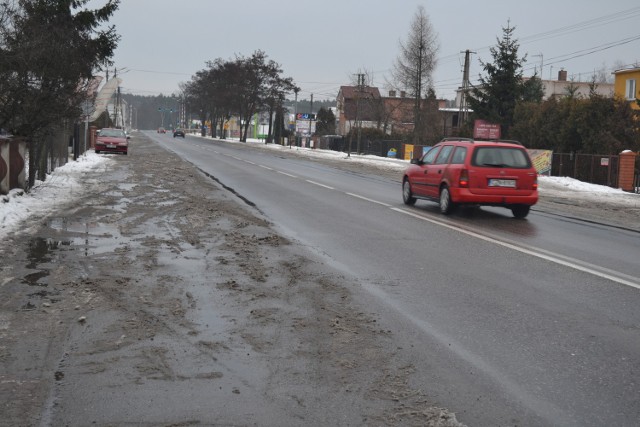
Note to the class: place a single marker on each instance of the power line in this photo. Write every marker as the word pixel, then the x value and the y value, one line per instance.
pixel 160 72
pixel 589 51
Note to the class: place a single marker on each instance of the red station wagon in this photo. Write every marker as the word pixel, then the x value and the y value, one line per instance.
pixel 469 172
pixel 112 141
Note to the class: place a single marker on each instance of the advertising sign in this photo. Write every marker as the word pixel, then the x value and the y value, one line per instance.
pixel 541 160
pixel 485 130
pixel 305 116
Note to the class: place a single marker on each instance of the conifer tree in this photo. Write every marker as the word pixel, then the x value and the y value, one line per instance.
pixel 494 99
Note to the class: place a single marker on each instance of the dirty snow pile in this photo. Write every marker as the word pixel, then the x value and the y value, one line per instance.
pixel 60 187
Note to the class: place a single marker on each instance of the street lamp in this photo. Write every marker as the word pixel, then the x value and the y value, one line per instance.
pixel 163 110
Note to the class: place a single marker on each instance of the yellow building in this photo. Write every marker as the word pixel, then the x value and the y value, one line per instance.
pixel 627 85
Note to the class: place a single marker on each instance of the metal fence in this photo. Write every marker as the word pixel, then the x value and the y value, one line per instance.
pixel 381 147
pixel 54 148
pixel 592 168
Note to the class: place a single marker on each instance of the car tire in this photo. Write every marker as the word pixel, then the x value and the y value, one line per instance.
pixel 446 205
pixel 407 195
pixel 520 211
pixel 97 151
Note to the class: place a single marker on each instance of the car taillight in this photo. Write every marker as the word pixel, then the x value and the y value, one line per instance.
pixel 463 181
pixel 535 183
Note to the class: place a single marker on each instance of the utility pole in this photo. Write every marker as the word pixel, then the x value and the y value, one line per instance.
pixel 358 115
pixel 115 105
pixel 295 118
pixel 310 118
pixel 541 63
pixel 464 103
pixel 357 95
pixel 359 92
pixel 106 120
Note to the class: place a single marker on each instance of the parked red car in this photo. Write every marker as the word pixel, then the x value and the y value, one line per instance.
pixel 111 140
pixel 469 172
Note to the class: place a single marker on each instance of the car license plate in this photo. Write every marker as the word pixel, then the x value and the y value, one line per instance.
pixel 502 183
pixel 111 146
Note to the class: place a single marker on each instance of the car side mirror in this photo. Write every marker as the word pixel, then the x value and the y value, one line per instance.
pixel 415 161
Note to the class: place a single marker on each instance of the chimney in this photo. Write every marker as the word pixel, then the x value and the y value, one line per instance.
pixel 392 94
pixel 562 75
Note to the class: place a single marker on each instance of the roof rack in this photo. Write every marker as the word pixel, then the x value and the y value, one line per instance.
pixel 456 139
pixel 512 141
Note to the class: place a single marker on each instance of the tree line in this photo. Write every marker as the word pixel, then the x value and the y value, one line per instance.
pixel 241 87
pixel 49 50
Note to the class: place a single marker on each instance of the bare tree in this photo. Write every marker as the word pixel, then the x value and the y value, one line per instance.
pixel 415 63
pixel 602 75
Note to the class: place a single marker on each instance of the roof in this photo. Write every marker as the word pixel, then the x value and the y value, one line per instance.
pixel 362 102
pixel 627 70
pixel 353 92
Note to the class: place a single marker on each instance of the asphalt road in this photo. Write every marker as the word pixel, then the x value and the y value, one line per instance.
pixel 535 320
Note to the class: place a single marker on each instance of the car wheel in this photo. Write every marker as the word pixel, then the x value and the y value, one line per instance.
pixel 407 196
pixel 446 205
pixel 520 211
pixel 97 151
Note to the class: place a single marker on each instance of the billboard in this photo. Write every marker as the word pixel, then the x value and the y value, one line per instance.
pixel 541 160
pixel 485 130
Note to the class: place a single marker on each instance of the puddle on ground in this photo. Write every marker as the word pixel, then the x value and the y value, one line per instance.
pixel 93 237
pixel 33 279
pixel 39 251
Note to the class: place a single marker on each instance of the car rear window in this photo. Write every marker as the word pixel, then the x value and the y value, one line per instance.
pixel 504 157
pixel 112 133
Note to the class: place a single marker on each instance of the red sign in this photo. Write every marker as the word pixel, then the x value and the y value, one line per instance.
pixel 485 130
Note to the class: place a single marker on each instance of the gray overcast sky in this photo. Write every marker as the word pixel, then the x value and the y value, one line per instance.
pixel 322 44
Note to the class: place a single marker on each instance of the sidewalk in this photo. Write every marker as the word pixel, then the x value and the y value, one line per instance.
pixel 155 297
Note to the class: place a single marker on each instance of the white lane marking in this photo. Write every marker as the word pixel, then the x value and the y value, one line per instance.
pixel 368 199
pixel 287 174
pixel 318 184
pixel 266 167
pixel 251 163
pixel 549 256
pixel 539 253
